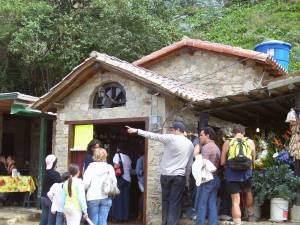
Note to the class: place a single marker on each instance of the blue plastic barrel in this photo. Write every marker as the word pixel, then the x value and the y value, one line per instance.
pixel 279 50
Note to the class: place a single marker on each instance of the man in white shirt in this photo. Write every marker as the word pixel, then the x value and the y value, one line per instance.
pixel 175 168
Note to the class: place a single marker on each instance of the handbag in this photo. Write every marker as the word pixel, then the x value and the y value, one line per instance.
pixel 119 170
pixel 109 186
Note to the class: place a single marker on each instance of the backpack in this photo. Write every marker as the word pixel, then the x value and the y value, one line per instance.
pixel 239 154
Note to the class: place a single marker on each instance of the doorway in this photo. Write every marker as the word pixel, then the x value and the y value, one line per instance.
pixel 113 134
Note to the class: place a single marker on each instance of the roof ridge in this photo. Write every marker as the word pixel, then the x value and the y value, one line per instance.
pixel 210 46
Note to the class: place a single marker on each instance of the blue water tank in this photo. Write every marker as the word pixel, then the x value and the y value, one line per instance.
pixel 279 50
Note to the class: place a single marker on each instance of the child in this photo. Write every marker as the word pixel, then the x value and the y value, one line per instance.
pixel 74 197
pixel 56 195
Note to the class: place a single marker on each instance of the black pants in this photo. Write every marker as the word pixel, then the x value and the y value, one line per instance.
pixel 172 188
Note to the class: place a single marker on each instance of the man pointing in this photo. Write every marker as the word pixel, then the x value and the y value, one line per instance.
pixel 175 168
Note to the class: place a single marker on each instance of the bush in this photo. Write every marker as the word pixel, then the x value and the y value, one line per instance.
pixel 275 182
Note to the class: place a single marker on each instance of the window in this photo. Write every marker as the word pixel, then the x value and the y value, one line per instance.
pixel 109 96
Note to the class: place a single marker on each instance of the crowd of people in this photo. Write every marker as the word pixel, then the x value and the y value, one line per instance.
pixel 70 198
pixel 207 161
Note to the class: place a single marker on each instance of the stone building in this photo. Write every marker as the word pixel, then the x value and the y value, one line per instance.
pixel 170 84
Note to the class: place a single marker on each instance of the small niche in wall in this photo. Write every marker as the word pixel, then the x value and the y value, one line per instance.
pixel 109 95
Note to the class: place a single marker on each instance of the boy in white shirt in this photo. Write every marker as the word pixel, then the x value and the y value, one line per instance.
pixel 56 195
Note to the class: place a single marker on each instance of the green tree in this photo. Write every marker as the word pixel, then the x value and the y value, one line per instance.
pixel 48 41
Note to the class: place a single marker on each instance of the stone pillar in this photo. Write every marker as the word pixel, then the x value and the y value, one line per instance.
pixel 1 131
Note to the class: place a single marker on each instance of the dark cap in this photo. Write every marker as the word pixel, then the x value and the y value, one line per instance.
pixel 178 125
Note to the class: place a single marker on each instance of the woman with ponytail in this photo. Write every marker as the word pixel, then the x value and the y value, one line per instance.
pixel 75 203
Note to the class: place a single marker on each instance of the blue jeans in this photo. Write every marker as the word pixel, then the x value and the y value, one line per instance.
pixel 47 218
pixel 120 206
pixel 98 210
pixel 172 188
pixel 60 218
pixel 207 202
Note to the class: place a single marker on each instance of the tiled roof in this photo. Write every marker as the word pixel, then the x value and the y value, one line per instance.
pixel 275 68
pixel 172 86
pixel 177 88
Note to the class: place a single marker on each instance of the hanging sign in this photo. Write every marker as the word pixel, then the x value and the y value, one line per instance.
pixel 83 134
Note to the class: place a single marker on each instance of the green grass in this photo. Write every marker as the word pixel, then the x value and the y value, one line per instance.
pixel 250 24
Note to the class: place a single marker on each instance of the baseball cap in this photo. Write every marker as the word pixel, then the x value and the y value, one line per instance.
pixel 178 125
pixel 50 159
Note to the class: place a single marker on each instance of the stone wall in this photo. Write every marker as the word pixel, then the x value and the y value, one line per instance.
pixel 78 106
pixel 196 67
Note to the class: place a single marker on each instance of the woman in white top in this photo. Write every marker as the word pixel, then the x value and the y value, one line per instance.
pixel 98 203
pixel 120 207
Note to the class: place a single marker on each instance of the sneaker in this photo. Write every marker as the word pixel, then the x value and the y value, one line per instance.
pixel 225 218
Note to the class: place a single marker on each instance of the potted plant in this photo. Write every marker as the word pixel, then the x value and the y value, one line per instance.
pixel 277 184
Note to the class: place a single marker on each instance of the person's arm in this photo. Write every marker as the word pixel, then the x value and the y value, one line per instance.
pixel 50 193
pixel 64 196
pixel 81 197
pixel 116 161
pixel 88 159
pixel 225 149
pixel 139 167
pixel 87 178
pixel 253 152
pixel 197 150
pixel 164 138
pixel 188 171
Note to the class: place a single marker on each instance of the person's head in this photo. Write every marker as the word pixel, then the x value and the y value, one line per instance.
pixel 100 155
pixel 50 161
pixel 65 176
pixel 10 160
pixel 73 172
pixel 238 129
pixel 177 128
pixel 121 148
pixel 2 159
pixel 92 146
pixel 206 134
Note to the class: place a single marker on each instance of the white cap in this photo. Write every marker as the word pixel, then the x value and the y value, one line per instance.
pixel 50 159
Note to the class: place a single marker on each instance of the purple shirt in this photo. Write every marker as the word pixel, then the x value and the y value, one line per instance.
pixel 211 152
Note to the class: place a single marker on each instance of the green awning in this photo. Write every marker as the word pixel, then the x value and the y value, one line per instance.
pixel 23 110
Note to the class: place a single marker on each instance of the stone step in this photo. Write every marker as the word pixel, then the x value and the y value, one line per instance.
pixel 18 215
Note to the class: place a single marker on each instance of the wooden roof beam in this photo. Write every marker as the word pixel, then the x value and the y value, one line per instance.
pixel 247 104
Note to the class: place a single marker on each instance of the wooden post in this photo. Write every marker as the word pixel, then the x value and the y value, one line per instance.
pixel 297 162
pixel 203 121
pixel 42 155
pixel 1 131
pixel 297 109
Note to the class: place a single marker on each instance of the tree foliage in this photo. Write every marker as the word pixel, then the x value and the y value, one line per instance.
pixel 248 23
pixel 42 40
pixel 45 39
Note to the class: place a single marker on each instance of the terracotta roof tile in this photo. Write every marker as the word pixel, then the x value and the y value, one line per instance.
pixel 272 65
pixel 172 86
pixel 168 85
